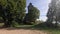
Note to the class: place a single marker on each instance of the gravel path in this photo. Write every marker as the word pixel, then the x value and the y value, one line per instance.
pixel 21 31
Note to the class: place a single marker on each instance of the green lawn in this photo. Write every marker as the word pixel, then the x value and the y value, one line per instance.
pixel 39 27
pixel 47 29
pixel 1 24
pixel 54 31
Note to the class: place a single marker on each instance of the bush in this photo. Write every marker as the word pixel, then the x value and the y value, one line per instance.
pixel 14 24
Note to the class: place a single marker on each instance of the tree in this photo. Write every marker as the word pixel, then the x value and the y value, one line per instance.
pixel 53 12
pixel 12 9
pixel 33 14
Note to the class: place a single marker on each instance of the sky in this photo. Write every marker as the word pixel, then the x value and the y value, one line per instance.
pixel 42 5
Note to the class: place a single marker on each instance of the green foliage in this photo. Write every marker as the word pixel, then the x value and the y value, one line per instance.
pixel 33 14
pixel 11 10
pixel 14 24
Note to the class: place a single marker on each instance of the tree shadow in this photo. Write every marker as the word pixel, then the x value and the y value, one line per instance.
pixel 41 26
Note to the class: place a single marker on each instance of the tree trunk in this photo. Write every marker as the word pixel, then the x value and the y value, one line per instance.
pixel 56 23
pixel 6 23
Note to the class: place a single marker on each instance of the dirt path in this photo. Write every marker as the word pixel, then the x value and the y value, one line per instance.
pixel 21 31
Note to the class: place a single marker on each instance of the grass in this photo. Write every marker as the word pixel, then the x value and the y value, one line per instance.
pixel 25 26
pixel 49 30
pixel 1 24
pixel 54 31
pixel 40 27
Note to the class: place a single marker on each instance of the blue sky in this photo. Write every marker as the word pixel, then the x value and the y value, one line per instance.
pixel 42 5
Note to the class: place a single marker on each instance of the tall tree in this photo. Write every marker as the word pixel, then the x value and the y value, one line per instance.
pixel 33 14
pixel 53 12
pixel 12 9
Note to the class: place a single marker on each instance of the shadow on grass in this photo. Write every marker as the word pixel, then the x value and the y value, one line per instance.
pixel 43 26
pixel 40 26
